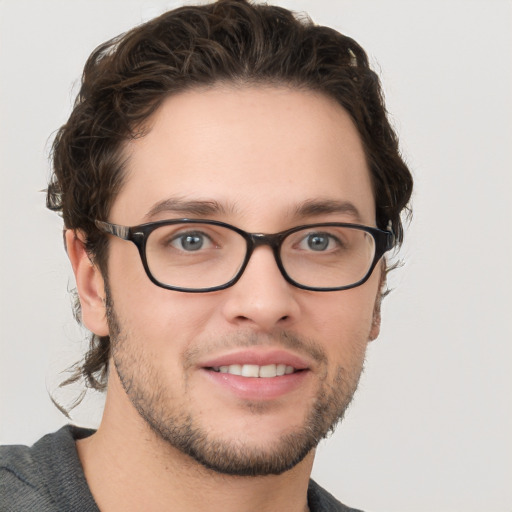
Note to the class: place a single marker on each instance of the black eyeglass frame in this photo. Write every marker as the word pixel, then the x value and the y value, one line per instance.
pixel 384 241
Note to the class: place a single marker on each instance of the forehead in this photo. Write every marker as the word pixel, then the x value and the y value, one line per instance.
pixel 257 152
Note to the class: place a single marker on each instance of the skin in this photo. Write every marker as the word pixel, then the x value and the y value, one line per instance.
pixel 260 153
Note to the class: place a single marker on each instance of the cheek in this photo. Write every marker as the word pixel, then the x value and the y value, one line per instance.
pixel 161 314
pixel 136 298
pixel 345 312
pixel 161 319
pixel 343 322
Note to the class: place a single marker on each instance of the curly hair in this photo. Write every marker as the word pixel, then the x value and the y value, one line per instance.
pixel 126 79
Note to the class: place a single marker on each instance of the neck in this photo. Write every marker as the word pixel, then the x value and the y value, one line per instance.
pixel 129 468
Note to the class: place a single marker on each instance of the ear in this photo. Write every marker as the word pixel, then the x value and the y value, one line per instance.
pixel 375 330
pixel 376 320
pixel 89 283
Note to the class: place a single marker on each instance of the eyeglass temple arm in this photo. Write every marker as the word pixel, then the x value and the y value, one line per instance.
pixel 113 229
pixel 391 236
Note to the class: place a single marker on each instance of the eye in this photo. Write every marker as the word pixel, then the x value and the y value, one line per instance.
pixel 191 241
pixel 318 242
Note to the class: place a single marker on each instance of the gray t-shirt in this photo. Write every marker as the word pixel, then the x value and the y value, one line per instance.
pixel 48 477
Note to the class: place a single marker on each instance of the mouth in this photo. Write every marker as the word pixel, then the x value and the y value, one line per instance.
pixel 257 374
pixel 267 371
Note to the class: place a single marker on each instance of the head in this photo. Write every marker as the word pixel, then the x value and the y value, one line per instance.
pixel 216 60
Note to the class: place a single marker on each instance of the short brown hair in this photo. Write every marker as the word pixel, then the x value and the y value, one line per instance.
pixel 126 79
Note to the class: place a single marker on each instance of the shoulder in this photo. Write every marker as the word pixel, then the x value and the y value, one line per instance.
pixel 319 500
pixel 28 474
pixel 20 486
pixel 22 477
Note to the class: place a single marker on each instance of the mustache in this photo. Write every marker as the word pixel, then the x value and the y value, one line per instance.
pixel 282 339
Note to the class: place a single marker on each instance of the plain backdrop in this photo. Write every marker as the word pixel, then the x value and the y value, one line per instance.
pixel 430 428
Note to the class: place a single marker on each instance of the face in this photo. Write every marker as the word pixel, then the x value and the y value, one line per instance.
pixel 264 160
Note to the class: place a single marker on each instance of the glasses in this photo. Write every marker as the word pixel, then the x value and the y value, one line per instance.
pixel 191 255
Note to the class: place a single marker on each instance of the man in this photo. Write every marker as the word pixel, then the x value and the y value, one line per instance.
pixel 229 185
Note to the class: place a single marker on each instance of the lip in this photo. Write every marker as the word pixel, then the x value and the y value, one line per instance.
pixel 257 388
pixel 259 357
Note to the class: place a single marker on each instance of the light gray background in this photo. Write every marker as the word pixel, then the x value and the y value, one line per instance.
pixel 430 426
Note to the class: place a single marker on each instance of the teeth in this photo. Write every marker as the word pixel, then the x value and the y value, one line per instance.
pixel 250 370
pixel 253 370
pixel 270 370
pixel 280 369
pixel 234 369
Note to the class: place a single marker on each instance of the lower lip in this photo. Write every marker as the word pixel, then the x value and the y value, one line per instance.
pixel 258 388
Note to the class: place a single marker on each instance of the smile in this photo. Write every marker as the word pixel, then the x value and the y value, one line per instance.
pixel 254 370
pixel 257 374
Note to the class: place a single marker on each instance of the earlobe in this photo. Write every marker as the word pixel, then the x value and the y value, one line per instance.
pixel 89 283
pixel 375 330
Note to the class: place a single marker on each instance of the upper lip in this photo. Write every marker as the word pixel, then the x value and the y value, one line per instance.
pixel 258 357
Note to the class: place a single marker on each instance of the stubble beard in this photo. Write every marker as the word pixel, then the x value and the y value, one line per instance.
pixel 183 431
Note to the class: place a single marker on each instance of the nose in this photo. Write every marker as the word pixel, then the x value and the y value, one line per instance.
pixel 262 299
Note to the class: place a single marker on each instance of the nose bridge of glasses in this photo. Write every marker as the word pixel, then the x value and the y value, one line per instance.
pixel 256 240
pixel 259 239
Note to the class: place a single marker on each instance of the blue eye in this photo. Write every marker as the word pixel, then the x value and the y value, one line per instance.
pixel 190 241
pixel 318 242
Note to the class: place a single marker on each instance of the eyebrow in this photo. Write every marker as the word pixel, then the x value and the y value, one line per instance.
pixel 207 208
pixel 187 208
pixel 315 207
